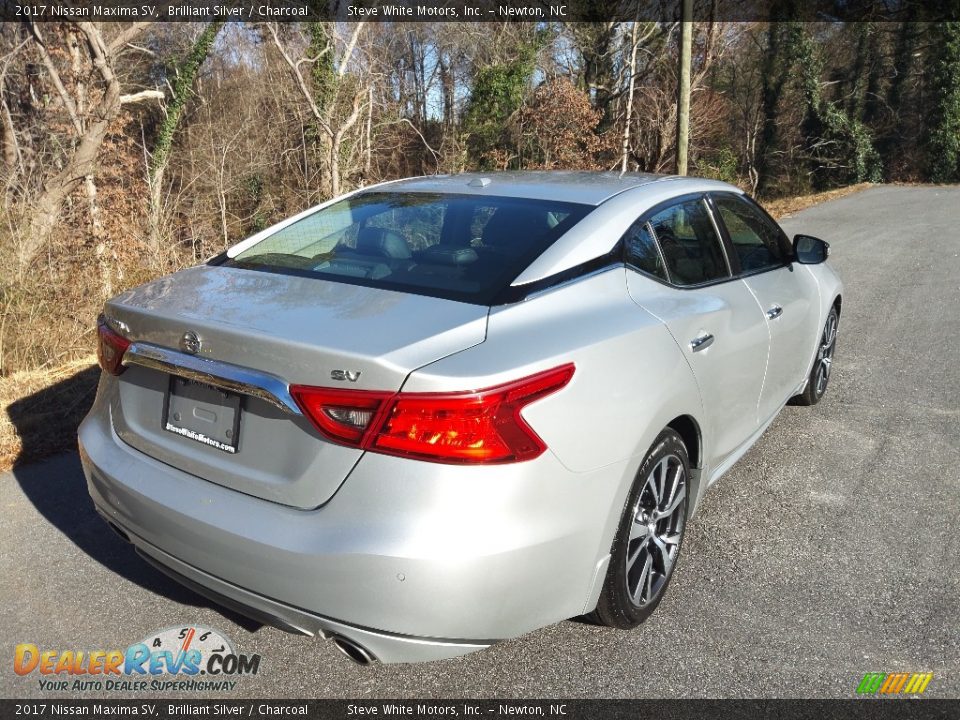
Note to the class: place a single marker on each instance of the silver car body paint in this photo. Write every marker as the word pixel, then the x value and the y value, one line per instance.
pixel 418 560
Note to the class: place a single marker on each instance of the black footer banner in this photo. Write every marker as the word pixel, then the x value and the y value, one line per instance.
pixel 892 709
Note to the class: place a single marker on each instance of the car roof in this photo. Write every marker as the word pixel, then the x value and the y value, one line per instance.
pixel 577 186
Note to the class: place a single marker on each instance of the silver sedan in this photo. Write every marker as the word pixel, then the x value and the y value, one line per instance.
pixel 441 412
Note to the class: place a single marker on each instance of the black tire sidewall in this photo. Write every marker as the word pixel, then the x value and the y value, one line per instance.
pixel 615 607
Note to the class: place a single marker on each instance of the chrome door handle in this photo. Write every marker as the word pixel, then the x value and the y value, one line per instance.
pixel 701 342
pixel 774 312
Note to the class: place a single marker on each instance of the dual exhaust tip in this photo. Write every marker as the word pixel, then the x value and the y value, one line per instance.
pixel 359 654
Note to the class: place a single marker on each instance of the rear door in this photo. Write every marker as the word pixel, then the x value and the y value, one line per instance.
pixel 678 271
pixel 787 294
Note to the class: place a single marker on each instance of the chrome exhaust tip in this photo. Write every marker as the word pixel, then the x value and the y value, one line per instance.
pixel 359 654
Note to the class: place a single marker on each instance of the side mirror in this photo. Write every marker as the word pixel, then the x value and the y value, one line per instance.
pixel 809 250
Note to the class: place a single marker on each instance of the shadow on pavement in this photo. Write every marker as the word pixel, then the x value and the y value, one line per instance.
pixel 47 422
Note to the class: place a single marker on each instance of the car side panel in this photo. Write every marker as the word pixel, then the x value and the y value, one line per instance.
pixel 729 372
pixel 792 334
pixel 830 287
pixel 631 380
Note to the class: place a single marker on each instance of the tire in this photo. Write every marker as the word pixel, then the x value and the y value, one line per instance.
pixel 641 566
pixel 822 364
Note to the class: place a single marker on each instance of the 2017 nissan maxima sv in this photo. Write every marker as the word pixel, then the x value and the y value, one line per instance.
pixel 445 411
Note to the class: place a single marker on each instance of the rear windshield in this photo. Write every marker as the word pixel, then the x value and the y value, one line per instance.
pixel 460 247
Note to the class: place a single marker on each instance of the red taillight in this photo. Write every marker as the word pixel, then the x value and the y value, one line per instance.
pixel 466 427
pixel 342 415
pixel 110 347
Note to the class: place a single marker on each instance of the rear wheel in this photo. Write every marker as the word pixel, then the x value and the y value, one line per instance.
pixel 647 546
pixel 822 364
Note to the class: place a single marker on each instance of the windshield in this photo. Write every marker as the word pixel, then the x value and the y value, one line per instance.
pixel 460 247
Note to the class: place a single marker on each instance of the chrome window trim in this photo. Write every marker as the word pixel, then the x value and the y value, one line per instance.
pixel 253 383
pixel 669 282
pixel 720 236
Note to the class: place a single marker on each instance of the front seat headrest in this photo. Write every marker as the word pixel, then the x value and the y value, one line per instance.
pixel 383 243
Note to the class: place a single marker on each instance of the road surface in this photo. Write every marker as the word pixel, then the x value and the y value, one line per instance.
pixel 830 550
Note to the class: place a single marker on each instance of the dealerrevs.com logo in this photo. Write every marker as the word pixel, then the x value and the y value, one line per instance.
pixel 174 659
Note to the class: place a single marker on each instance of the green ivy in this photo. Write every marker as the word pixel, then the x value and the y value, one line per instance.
pixel 838 142
pixel 944 141
pixel 497 93
pixel 322 71
pixel 186 73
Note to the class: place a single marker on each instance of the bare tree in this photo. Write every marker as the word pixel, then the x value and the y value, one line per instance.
pixel 334 125
pixel 89 117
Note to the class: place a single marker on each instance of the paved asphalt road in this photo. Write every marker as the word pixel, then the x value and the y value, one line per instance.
pixel 830 550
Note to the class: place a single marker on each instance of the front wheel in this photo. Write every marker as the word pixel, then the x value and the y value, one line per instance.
pixel 647 545
pixel 822 364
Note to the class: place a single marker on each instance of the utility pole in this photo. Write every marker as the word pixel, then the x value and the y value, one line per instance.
pixel 683 90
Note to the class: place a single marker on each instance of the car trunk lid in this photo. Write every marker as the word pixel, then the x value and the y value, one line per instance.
pixel 272 329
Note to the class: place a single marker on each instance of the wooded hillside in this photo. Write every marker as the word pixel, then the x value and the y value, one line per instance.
pixel 131 150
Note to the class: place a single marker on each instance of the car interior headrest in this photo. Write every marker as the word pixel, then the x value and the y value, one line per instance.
pixel 382 242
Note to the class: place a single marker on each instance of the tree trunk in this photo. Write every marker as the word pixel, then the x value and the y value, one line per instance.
pixel 90 126
pixel 187 72
pixel 11 149
pixel 45 213
pixel 629 115
pixel 683 92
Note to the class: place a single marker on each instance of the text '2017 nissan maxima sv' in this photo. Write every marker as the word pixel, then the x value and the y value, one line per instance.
pixel 441 412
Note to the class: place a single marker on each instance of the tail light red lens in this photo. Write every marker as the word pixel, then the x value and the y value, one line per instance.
pixel 345 416
pixel 485 426
pixel 111 346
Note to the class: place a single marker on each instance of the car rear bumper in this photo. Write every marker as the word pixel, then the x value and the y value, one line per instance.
pixel 414 561
pixel 383 647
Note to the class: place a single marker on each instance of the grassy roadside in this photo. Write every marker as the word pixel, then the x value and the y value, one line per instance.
pixel 40 409
pixel 785 207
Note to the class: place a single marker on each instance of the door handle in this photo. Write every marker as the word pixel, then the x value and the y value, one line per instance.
pixel 701 342
pixel 774 312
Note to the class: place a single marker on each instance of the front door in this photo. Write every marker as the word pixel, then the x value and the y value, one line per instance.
pixel 713 317
pixel 785 292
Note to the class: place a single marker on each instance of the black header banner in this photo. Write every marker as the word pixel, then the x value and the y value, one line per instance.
pixel 477 10
pixel 891 709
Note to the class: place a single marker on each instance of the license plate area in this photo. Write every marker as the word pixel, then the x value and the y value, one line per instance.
pixel 203 413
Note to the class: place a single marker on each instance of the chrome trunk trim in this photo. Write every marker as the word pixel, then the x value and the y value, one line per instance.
pixel 253 383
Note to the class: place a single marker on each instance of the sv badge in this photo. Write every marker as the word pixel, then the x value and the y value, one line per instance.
pixel 341 375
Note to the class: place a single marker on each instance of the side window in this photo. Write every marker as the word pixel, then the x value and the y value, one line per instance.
pixel 642 250
pixel 689 243
pixel 756 242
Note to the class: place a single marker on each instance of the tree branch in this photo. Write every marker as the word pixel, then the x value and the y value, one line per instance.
pixel 348 51
pixel 55 77
pixel 127 35
pixel 141 96
pixel 302 84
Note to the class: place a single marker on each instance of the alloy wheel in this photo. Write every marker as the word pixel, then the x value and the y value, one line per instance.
pixel 828 343
pixel 656 531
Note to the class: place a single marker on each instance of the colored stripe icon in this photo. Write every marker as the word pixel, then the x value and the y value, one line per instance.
pixel 894 683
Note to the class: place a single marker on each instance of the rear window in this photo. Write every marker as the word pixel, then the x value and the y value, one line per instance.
pixel 460 247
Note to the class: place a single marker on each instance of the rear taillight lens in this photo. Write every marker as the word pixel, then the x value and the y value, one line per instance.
pixel 111 346
pixel 484 426
pixel 345 416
